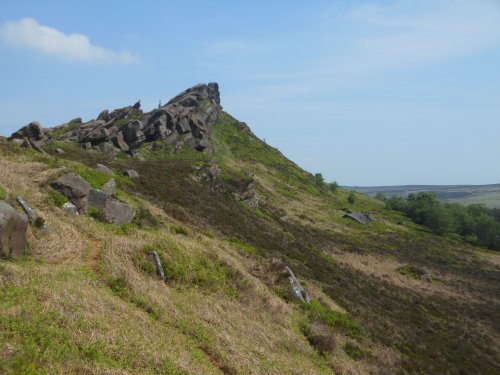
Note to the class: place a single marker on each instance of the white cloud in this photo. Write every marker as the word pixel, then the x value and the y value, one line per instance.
pixel 28 33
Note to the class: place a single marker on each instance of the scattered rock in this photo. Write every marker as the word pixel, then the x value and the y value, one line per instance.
pixel 130 173
pixel 297 289
pixel 106 147
pixel 361 217
pixel 248 196
pixel 103 169
pixel 60 151
pixel 13 226
pixel 158 266
pixel 113 210
pixel 33 217
pixel 70 208
pixel 109 187
pixel 75 188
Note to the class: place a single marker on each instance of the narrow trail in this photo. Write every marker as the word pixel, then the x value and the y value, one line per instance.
pixel 94 257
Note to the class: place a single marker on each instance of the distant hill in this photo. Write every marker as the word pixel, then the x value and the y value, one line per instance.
pixel 464 194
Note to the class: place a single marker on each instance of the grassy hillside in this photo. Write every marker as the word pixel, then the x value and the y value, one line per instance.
pixel 86 300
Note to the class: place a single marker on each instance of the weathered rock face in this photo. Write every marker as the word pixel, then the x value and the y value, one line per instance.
pixel 248 196
pixel 186 119
pixel 75 188
pixel 109 187
pixel 113 210
pixel 13 227
pixel 361 217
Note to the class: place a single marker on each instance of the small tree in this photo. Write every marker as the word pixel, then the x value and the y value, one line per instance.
pixel 380 196
pixel 318 178
pixel 333 186
pixel 351 198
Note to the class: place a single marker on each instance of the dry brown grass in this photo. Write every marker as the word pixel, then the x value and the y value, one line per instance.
pixel 385 267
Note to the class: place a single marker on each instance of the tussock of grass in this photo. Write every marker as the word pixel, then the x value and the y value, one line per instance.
pixel 3 193
pixel 335 319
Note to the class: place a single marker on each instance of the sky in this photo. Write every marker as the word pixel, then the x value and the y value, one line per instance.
pixel 365 92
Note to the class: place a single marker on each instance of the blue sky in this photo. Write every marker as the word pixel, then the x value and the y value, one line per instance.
pixel 365 92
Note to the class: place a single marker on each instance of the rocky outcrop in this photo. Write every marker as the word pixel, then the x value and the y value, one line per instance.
pixel 33 217
pixel 158 266
pixel 75 188
pixel 361 217
pixel 32 136
pixel 248 195
pixel 185 120
pixel 297 289
pixel 112 210
pixel 13 226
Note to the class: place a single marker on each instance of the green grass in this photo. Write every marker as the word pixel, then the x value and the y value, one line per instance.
pixel 245 247
pixel 337 320
pixel 3 193
pixel 179 229
pixel 135 115
pixel 69 127
pixel 55 198
pixel 196 268
pixel 232 141
pixel 356 352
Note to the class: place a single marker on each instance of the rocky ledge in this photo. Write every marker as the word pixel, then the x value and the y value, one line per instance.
pixel 185 120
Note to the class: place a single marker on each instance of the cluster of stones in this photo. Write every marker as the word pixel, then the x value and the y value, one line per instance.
pixel 185 120
pixel 83 198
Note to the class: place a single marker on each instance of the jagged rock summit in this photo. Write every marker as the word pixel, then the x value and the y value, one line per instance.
pixel 185 120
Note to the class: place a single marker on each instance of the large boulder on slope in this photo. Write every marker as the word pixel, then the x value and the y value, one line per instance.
pixel 13 226
pixel 75 188
pixel 113 210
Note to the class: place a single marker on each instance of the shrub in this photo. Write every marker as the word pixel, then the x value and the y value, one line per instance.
pixel 95 213
pixel 351 198
pixel 144 219
pixel 318 179
pixel 55 198
pixel 179 229
pixel 355 352
pixel 333 186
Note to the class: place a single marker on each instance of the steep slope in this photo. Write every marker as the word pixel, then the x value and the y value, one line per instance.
pixel 225 222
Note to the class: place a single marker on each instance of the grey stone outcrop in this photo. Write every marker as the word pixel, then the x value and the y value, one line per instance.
pixel 361 217
pixel 158 266
pixel 113 210
pixel 75 188
pixel 13 226
pixel 297 289
pixel 190 114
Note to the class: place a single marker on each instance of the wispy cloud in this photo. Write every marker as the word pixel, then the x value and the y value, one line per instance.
pixel 411 33
pixel 28 33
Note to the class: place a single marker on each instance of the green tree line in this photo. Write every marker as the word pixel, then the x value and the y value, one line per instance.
pixel 476 223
